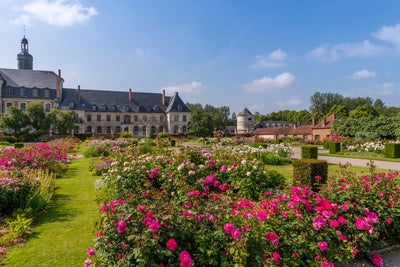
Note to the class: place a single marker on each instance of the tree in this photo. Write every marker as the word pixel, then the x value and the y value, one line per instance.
pixel 340 110
pixel 61 121
pixel 37 119
pixel 379 103
pixel 354 102
pixel 208 119
pixel 364 111
pixel 14 119
pixel 323 102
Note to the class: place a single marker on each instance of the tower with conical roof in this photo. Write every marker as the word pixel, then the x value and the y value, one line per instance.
pixel 25 60
pixel 245 122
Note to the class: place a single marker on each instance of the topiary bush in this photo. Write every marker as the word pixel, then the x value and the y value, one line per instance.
pixel 334 147
pixel 19 145
pixel 126 135
pixel 309 152
pixel 392 150
pixel 310 172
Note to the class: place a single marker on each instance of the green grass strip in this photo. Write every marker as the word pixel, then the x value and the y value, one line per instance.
pixel 341 155
pixel 66 228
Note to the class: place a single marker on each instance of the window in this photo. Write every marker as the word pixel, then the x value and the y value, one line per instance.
pixel 161 118
pixel 8 104
pixel 94 108
pixel 46 93
pixel 108 117
pixel 153 129
pixel 75 116
pixel 144 118
pixel 98 129
pixel 47 107
pixel 98 117
pixel 161 129
pixel 126 108
pixel 113 108
pixel 175 129
pixel 317 137
pixel 183 129
pixel 108 129
pixel 89 129
pixel 35 92
pixel 89 117
pixel 117 118
pixel 179 107
pixel 176 117
pixel 103 108
pixel 23 92
pixel 76 131
pixel 144 130
pixel 304 137
pixel 117 129
pixel 22 105
pixel 135 130
pixel 126 129
pixel 153 118
pixel 127 119
pixel 71 104
pixel 136 118
pixel 184 118
pixel 9 91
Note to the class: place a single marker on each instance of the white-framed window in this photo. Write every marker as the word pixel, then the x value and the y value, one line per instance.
pixel 144 118
pixel 47 107
pixel 8 104
pixel 176 117
pixel 22 105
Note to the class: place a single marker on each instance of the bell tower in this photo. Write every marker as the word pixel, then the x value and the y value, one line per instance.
pixel 25 60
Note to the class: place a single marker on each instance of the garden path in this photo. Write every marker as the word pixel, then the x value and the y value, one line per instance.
pixel 66 228
pixel 354 162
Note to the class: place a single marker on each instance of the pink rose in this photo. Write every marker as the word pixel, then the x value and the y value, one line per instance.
pixel 322 245
pixel 171 244
pixel 87 262
pixel 121 227
pixel 90 251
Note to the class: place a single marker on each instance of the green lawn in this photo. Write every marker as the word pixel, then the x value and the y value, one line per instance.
pixel 333 169
pixel 66 228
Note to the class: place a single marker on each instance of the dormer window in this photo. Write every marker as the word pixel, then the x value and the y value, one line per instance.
pixel 47 93
pixel 23 92
pixel 148 108
pixel 156 108
pixel 35 92
pixel 113 108
pixel 94 108
pixel 71 104
pixel 179 107
pixel 103 108
pixel 126 108
pixel 9 91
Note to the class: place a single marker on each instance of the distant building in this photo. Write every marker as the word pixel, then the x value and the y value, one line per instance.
pixel 105 113
pixel 245 122
pixel 271 124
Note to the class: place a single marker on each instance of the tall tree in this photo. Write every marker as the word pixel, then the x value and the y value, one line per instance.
pixel 61 121
pixel 15 119
pixel 37 119
pixel 323 102
pixel 340 110
pixel 363 111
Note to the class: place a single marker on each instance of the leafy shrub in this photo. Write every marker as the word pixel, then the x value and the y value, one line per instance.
pixel 334 147
pixel 271 159
pixel 16 227
pixel 310 172
pixel 135 142
pixel 4 143
pixel 392 150
pixel 309 152
pixel 173 142
pixel 163 135
pixel 19 145
pixel 11 139
pixel 126 135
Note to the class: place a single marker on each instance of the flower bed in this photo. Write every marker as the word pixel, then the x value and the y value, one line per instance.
pixel 225 209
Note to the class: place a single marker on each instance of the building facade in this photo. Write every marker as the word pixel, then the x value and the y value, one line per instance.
pixel 100 112
pixel 245 122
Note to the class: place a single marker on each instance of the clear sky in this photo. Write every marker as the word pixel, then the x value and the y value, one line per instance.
pixel 263 55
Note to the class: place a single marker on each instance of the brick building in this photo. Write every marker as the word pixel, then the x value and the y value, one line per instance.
pixel 100 112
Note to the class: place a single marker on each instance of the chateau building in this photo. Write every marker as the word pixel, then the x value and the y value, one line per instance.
pixel 100 112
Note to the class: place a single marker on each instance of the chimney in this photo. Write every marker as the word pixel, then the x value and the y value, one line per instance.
pixel 59 84
pixel 163 97
pixel 323 122
pixel 79 93
pixel 176 93
pixel 313 122
pixel 130 94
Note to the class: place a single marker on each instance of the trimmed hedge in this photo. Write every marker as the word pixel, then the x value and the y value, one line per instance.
pixel 305 172
pixel 392 150
pixel 173 142
pixel 18 145
pixel 334 147
pixel 309 152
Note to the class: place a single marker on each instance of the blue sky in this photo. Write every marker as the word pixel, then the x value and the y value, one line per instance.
pixel 263 55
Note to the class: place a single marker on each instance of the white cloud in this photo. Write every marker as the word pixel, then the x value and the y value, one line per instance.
pixel 362 74
pixel 274 60
pixel 277 55
pixel 58 12
pixel 389 33
pixel 189 88
pixel 267 84
pixel 292 101
pixel 23 20
pixel 328 53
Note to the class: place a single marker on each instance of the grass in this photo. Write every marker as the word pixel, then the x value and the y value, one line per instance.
pixel 342 155
pixel 333 169
pixel 66 228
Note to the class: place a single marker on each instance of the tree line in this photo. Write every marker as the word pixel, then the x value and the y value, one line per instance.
pixel 33 121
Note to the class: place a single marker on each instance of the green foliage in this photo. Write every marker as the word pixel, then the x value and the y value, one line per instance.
pixel 37 119
pixel 126 135
pixel 392 150
pixel 363 111
pixel 14 119
pixel 162 135
pixel 61 121
pixel 19 145
pixel 310 172
pixel 334 147
pixel 173 142
pixel 17 226
pixel 309 152
pixel 323 102
pixel 340 110
pixel 289 115
pixel 271 159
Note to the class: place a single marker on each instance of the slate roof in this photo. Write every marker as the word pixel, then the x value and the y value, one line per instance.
pixel 119 101
pixel 29 78
pixel 245 112
pixel 176 105
pixel 300 130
